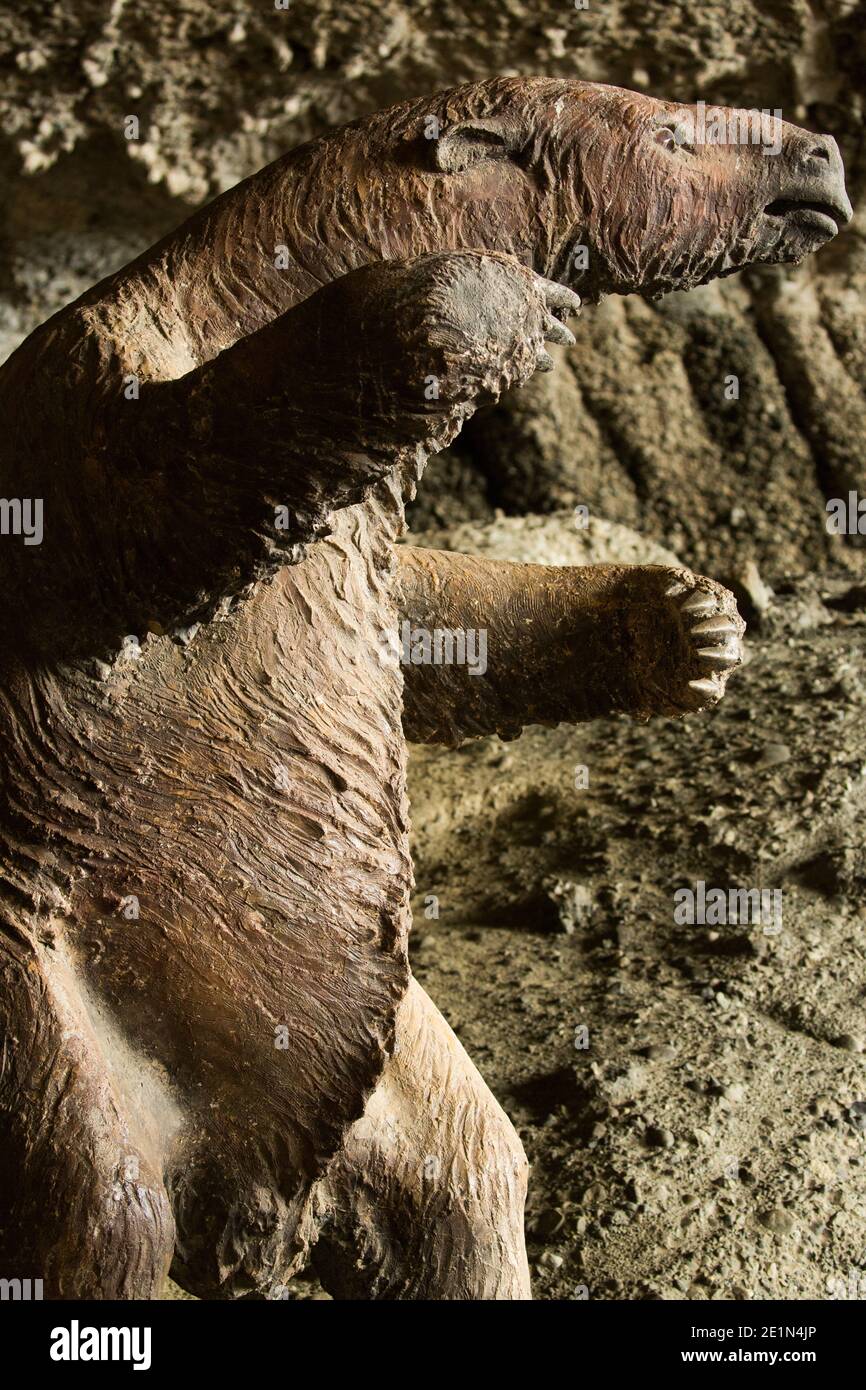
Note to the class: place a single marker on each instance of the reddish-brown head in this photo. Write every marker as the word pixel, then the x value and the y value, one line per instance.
pixel 667 196
pixel 607 190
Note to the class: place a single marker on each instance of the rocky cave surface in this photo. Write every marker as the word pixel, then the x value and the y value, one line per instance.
pixel 705 1137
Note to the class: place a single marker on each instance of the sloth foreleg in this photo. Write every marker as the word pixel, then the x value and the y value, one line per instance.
pixel 488 646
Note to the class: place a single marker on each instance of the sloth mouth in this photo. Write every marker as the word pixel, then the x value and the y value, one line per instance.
pixel 821 217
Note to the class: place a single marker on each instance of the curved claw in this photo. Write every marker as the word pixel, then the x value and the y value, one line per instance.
pixel 715 627
pixel 722 656
pixel 561 297
pixel 699 603
pixel 556 332
pixel 707 689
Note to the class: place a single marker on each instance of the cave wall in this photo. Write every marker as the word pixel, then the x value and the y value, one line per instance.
pixel 634 423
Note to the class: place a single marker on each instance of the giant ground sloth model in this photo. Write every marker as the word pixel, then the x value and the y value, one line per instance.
pixel 214 1057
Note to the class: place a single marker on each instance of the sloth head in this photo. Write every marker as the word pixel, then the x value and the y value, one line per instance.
pixel 604 189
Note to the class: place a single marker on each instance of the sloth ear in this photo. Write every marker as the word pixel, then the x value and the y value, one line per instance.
pixel 467 143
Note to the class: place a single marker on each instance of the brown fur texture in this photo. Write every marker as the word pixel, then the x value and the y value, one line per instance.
pixel 212 1056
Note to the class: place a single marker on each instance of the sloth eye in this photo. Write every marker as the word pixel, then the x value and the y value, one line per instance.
pixel 672 138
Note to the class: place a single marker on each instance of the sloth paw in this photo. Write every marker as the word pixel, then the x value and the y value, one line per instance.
pixel 559 302
pixel 496 312
pixel 710 632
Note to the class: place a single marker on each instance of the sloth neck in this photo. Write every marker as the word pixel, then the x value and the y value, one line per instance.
pixel 264 247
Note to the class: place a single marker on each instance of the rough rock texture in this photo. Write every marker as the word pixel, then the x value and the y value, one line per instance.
pixel 561 538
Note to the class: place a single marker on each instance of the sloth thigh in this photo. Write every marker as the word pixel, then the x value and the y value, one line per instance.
pixel 425 1199
pixel 82 1203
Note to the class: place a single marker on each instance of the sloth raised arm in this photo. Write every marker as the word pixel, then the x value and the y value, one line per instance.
pixel 374 372
pixel 370 375
pixel 173 503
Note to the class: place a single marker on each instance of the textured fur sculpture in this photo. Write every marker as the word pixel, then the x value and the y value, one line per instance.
pixel 214 1057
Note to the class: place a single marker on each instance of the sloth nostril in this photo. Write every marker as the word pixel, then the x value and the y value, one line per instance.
pixel 820 152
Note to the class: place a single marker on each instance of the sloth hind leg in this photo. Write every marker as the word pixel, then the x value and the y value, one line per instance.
pixel 425 1200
